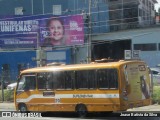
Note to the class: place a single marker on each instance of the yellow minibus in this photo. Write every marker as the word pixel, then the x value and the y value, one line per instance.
pixel 82 88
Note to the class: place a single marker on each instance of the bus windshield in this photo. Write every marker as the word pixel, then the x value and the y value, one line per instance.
pixel 26 82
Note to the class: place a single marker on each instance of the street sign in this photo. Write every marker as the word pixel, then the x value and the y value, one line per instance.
pixel 136 54
pixel 127 54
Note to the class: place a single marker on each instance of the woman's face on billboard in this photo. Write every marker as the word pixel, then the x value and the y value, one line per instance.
pixel 56 30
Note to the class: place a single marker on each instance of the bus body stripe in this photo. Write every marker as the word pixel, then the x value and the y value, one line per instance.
pixel 59 96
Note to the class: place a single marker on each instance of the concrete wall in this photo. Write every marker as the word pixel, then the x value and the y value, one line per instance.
pixel 138 36
pixel 149 36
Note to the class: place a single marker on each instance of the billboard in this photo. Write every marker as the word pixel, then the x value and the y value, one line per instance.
pixel 14 41
pixel 42 30
pixel 62 31
pixel 18 32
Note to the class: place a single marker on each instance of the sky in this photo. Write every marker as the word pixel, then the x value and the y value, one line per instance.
pixel 157 5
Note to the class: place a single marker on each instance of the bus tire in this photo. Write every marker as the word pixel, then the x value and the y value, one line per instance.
pixel 22 108
pixel 81 110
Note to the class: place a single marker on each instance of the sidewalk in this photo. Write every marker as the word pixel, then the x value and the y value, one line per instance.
pixel 154 107
pixel 7 105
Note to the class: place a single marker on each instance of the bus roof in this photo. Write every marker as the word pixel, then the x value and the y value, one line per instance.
pixel 79 66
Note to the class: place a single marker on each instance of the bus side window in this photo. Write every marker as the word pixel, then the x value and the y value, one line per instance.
pixel 103 78
pixel 81 79
pixel 91 79
pixel 58 80
pixel 113 79
pixel 49 81
pixel 41 79
pixel 31 82
pixel 107 78
pixel 69 79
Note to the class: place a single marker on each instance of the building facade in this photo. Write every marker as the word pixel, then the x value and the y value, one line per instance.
pixel 130 14
pixel 110 27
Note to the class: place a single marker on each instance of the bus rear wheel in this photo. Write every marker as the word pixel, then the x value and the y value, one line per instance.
pixel 81 110
pixel 22 108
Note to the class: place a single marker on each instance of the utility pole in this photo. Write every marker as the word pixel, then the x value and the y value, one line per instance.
pixel 2 84
pixel 43 7
pixel 40 57
pixel 32 6
pixel 89 35
pixel 40 54
pixel 122 16
pixel 159 15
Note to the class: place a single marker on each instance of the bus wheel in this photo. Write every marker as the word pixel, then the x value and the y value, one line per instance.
pixel 22 108
pixel 81 110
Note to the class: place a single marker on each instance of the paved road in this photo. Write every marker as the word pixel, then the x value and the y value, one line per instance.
pixel 155 107
pixel 151 108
